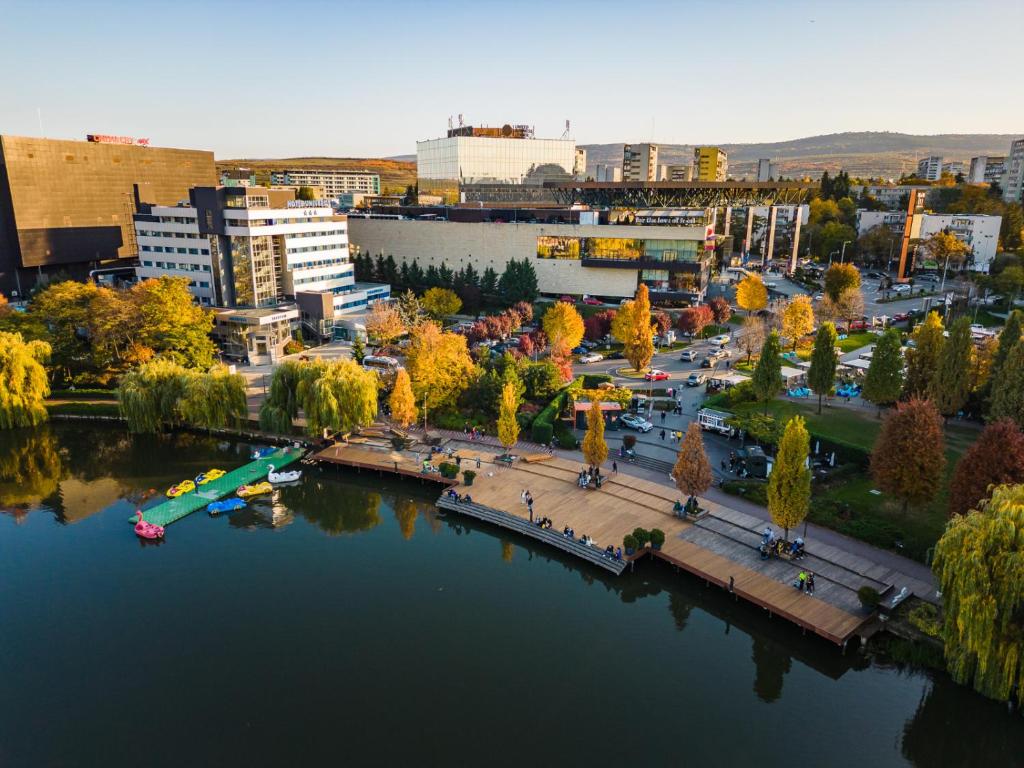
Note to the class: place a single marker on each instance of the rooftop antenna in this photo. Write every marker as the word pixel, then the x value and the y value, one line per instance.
pixel 565 135
pixel 449 122
pixel 461 123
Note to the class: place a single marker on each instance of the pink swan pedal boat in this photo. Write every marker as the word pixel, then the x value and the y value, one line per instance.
pixel 148 530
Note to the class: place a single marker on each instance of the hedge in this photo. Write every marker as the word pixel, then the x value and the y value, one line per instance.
pixel 541 431
pixel 91 394
pixel 543 427
pixel 592 380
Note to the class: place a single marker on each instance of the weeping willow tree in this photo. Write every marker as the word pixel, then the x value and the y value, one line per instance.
pixel 30 467
pixel 213 400
pixel 23 383
pixel 340 395
pixel 282 404
pixel 163 394
pixel 979 562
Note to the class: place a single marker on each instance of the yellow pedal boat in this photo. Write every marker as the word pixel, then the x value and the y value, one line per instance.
pixel 185 486
pixel 213 474
pixel 246 491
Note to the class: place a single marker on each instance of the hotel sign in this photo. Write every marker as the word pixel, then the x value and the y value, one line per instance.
pixel 102 138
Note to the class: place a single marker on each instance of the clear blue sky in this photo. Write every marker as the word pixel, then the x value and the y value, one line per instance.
pixel 367 79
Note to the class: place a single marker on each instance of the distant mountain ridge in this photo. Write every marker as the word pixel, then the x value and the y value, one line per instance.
pixel 863 153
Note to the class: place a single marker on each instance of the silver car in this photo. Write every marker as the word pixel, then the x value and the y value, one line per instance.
pixel 636 422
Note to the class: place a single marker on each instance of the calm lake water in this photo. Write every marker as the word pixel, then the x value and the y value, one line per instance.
pixel 345 621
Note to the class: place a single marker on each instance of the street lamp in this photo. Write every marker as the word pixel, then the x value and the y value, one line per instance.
pixel 830 257
pixel 842 257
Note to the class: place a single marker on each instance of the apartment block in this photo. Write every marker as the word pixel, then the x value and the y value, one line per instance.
pixel 710 164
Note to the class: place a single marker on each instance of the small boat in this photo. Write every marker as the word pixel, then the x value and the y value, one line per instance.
pixel 225 505
pixel 213 474
pixel 282 477
pixel 147 530
pixel 254 490
pixel 262 453
pixel 185 486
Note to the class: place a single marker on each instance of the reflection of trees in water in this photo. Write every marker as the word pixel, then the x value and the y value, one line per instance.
pixel 406 511
pixel 771 663
pixel 954 725
pixel 30 468
pixel 262 512
pixel 680 609
pixel 507 550
pixel 333 507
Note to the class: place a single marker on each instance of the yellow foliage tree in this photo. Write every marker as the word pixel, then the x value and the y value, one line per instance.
pixel 789 486
pixel 23 382
pixel 508 427
pixel 751 293
pixel 402 402
pixel 441 302
pixel 439 365
pixel 563 325
pixel 595 449
pixel 798 319
pixel 632 326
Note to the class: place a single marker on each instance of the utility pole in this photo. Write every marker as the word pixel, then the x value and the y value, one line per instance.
pixel 842 256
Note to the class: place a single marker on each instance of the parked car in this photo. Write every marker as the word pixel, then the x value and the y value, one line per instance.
pixel 819 296
pixel 569 299
pixel 656 374
pixel 591 357
pixel 636 422
pixel 615 356
pixel 721 339
pixel 900 317
pixel 695 379
pixel 688 355
pixel 858 325
pixel 592 301
pixel 588 344
pixel 580 350
pixel 901 288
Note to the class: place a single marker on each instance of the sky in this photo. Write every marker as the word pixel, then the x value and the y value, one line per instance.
pixel 368 79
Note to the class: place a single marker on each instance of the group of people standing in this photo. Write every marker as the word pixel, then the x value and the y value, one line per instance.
pixel 527 498
pixel 589 475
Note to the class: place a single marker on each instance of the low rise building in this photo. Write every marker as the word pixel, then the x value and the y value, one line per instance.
pixel 609 259
pixel 979 232
pixel 334 183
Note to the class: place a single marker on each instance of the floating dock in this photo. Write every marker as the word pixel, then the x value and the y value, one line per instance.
pixel 173 510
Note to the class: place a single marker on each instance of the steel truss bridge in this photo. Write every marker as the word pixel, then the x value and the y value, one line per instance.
pixel 674 194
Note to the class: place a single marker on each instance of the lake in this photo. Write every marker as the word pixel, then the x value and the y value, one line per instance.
pixel 346 620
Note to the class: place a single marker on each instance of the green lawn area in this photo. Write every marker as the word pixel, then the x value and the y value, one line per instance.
pixel 848 504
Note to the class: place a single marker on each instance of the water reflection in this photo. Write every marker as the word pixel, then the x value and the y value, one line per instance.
pixel 406 511
pixel 30 469
pixel 771 663
pixel 334 508
pixel 266 512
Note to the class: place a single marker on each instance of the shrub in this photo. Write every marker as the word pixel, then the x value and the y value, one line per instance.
pixel 468 476
pixel 657 538
pixel 525 419
pixel 564 436
pixel 925 617
pixel 541 431
pixel 83 409
pixel 751 490
pixel 91 394
pixel 629 542
pixel 293 347
pixel 591 380
pixel 629 441
pixel 642 535
pixel 448 470
pixel 869 597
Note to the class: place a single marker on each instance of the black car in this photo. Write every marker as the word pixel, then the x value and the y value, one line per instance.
pixel 614 356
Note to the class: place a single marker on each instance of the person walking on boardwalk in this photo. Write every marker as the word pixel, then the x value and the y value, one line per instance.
pixel 801 581
pixel 529 506
pixel 810 583
pixel 663 435
pixel 522 497
pixel 615 467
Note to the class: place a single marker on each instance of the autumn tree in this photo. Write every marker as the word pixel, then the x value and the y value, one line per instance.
pixel 439 303
pixel 23 383
pixel 692 472
pixel 632 326
pixel 946 249
pixel 789 485
pixel 384 323
pixel 979 564
pixel 1008 387
pixel 797 318
pixel 923 357
pixel 751 293
pixel 402 402
pixel 720 309
pixel 508 427
pixel 693 320
pixel 563 325
pixel 752 336
pixel 840 278
pixel 822 374
pixel 884 380
pixel 848 306
pixel 595 449
pixel 951 385
pixel 1008 338
pixel 340 396
pixel 214 399
pixel 439 365
pixel 908 459
pixel 995 458
pixel 767 378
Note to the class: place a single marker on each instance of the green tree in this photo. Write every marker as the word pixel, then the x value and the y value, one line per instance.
pixel 339 395
pixel 789 485
pixel 923 357
pixel 595 449
pixel 979 563
pixel 632 326
pixel 63 313
pixel 358 350
pixel 884 380
pixel 518 282
pixel 909 456
pixel 281 405
pixel 840 278
pixel 1008 387
pixel 439 303
pixel 171 323
pixel 489 282
pixel 213 400
pixel 951 385
pixel 767 378
pixel 148 396
pixel 306 193
pixel 23 382
pixel 822 373
pixel 1008 338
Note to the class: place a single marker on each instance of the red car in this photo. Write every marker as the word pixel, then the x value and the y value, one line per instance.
pixel 569 299
pixel 655 375
pixel 592 301
pixel 858 325
pixel 900 317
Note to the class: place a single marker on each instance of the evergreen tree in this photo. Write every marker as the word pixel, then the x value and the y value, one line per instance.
pixel 1008 387
pixel 595 449
pixel 909 456
pixel 789 485
pixel 767 379
pixel 470 276
pixel 403 277
pixel 826 186
pixel 518 282
pixel 884 380
pixel 358 350
pixel 379 269
pixel 822 373
pixel 489 282
pixel 432 279
pixel 445 276
pixel 923 357
pixel 1008 338
pixel 979 563
pixel 995 458
pixel 416 277
pixel 951 385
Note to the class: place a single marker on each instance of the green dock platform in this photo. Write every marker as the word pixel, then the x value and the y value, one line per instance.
pixel 255 471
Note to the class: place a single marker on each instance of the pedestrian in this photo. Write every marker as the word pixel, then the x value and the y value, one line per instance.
pixel 810 583
pixel 663 435
pixel 662 417
pixel 529 506
pixel 478 462
pixel 679 437
pixel 801 581
pixel 615 468
pixel 458 461
pixel 522 497
pixel 732 583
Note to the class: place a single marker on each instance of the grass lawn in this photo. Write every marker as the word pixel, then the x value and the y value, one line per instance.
pixel 848 505
pixel 989 320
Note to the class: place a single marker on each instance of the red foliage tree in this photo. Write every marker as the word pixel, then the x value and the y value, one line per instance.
pixel 525 311
pixel 694 320
pixel 662 322
pixel 561 356
pixel 909 455
pixel 995 458
pixel 597 326
pixel 720 310
pixel 477 332
pixel 539 339
pixel 526 345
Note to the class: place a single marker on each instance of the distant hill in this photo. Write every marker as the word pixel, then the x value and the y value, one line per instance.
pixel 865 153
pixel 395 175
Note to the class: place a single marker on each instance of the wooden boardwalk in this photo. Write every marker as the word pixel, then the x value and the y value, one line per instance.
pixel 404 463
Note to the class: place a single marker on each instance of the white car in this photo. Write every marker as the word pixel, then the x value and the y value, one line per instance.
pixel 721 340
pixel 688 355
pixel 901 288
pixel 637 422
pixel 591 357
